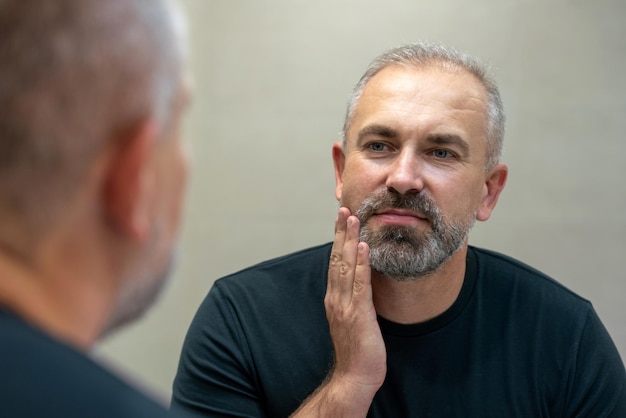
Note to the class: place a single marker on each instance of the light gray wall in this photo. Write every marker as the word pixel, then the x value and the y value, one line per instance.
pixel 272 80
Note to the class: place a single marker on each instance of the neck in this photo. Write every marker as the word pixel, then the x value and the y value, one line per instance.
pixel 69 311
pixel 421 299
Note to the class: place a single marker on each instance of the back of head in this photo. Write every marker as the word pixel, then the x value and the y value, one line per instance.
pixel 425 54
pixel 73 73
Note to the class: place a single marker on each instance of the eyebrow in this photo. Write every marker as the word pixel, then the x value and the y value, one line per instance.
pixel 377 130
pixel 450 139
pixel 436 139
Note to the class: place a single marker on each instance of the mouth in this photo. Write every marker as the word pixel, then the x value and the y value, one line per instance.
pixel 396 216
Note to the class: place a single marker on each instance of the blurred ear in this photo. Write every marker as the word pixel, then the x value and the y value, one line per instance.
pixel 128 185
pixel 494 184
pixel 339 159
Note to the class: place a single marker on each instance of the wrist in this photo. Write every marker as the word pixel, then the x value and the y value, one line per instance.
pixel 339 396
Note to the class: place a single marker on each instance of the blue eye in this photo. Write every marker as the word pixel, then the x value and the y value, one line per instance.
pixel 377 146
pixel 442 153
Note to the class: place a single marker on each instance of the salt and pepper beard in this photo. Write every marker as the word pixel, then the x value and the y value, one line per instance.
pixel 402 252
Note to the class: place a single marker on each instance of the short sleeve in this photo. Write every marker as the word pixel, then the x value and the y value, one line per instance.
pixel 215 377
pixel 598 386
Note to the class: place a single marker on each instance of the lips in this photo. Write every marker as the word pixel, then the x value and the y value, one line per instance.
pixel 400 216
pixel 401 212
pixel 388 207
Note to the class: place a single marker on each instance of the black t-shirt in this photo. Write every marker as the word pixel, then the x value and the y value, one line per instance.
pixel 41 377
pixel 514 344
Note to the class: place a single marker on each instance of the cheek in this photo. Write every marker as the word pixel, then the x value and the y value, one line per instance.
pixel 462 200
pixel 359 181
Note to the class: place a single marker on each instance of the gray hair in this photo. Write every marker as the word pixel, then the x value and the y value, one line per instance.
pixel 73 74
pixel 426 54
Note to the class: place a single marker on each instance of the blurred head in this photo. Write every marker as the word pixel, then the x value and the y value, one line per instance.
pixel 419 161
pixel 78 79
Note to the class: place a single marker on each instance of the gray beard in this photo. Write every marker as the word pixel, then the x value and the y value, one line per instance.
pixel 403 253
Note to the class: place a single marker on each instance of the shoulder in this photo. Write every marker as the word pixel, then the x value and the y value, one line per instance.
pixel 295 282
pixel 515 280
pixel 504 267
pixel 47 378
pixel 307 263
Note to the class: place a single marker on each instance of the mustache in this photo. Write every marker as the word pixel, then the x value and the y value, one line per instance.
pixel 384 199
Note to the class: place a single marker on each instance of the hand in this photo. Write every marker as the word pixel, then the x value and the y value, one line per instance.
pixel 360 355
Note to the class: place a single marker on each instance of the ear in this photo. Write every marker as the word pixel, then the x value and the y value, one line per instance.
pixel 494 184
pixel 128 185
pixel 339 160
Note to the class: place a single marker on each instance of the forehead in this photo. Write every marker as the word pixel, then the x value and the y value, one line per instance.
pixel 444 80
pixel 429 96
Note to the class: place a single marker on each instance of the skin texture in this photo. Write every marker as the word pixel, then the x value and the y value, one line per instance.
pixel 414 131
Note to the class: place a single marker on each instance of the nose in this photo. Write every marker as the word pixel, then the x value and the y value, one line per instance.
pixel 405 173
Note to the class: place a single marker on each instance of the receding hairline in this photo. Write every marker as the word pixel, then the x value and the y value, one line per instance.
pixel 430 64
pixel 424 55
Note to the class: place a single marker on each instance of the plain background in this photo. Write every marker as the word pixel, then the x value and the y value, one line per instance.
pixel 272 80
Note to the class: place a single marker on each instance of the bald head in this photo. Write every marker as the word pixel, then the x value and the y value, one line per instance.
pixel 73 75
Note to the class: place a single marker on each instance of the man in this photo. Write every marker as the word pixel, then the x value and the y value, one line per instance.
pixel 400 317
pixel 92 173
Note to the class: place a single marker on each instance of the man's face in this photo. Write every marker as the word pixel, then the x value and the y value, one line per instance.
pixel 413 168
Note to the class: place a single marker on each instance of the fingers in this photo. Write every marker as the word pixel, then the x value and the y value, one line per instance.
pixel 362 273
pixel 347 260
pixel 340 236
pixel 347 267
pixel 336 255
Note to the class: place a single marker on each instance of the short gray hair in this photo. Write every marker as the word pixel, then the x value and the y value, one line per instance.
pixel 424 54
pixel 73 73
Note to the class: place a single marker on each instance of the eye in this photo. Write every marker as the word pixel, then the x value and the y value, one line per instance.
pixel 442 153
pixel 377 146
